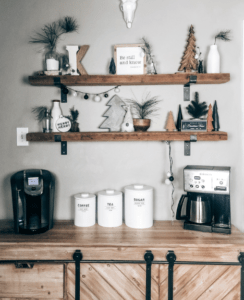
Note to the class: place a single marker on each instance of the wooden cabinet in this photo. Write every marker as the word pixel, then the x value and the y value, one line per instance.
pixel 113 265
pixel 211 282
pixel 43 281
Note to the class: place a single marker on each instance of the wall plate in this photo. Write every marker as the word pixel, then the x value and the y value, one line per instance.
pixel 21 136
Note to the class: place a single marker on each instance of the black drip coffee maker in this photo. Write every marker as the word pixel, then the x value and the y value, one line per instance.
pixel 207 202
pixel 33 201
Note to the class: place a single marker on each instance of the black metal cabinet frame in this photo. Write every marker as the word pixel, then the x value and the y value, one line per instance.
pixel 148 260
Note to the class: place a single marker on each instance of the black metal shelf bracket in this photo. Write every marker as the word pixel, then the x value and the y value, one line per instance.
pixel 77 258
pixel 63 89
pixel 57 138
pixel 171 258
pixel 193 79
pixel 241 260
pixel 148 258
pixel 187 144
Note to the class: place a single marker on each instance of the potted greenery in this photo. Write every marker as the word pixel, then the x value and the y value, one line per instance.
pixel 142 112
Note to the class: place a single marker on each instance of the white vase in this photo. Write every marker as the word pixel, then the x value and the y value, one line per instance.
pixel 213 61
pixel 56 113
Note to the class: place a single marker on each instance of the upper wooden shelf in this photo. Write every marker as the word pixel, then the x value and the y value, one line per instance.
pixel 103 80
pixel 126 136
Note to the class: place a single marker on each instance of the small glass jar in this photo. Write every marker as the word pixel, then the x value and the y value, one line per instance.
pixel 52 60
pixel 47 122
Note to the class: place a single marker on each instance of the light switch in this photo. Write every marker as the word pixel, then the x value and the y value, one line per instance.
pixel 21 136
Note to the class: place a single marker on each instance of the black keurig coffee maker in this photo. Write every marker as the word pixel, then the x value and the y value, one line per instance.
pixel 33 201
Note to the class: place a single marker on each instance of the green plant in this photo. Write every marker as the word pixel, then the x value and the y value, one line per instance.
pixel 40 112
pixel 222 35
pixel 51 33
pixel 146 108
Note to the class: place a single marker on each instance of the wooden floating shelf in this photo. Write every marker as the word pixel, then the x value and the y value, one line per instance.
pixel 103 80
pixel 126 136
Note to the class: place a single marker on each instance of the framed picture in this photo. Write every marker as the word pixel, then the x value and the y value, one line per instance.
pixel 130 59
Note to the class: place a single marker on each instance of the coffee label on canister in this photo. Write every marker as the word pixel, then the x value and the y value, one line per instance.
pixel 83 207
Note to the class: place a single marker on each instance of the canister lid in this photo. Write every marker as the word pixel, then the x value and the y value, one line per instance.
pixel 138 187
pixel 109 192
pixel 84 196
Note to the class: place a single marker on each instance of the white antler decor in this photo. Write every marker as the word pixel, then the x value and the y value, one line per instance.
pixel 128 7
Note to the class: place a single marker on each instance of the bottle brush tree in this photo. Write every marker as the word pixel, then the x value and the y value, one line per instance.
pixel 196 109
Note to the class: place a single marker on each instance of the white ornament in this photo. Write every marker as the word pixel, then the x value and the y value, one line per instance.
pixel 128 7
pixel 63 124
pixel 74 94
pixel 117 90
pixel 168 174
pixel 72 58
pixel 127 125
pixel 97 98
pixel 167 181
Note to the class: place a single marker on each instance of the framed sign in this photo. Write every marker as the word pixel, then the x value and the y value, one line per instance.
pixel 130 59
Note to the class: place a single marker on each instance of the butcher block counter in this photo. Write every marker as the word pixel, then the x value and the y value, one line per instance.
pixel 182 264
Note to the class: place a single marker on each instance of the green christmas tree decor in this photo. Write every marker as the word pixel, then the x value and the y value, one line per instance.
pixel 215 117
pixel 179 118
pixel 112 67
pixel 196 109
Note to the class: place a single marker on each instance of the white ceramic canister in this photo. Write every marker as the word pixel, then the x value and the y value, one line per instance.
pixel 110 208
pixel 138 206
pixel 55 113
pixel 85 210
pixel 213 60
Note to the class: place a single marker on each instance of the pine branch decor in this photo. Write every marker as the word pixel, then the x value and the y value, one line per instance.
pixel 147 49
pixel 223 35
pixel 146 108
pixel 51 33
pixel 197 109
pixel 188 61
pixel 40 112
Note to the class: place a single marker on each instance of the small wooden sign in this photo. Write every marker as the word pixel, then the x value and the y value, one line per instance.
pixel 194 125
pixel 130 59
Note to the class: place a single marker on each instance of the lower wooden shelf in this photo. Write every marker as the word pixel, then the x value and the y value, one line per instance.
pixel 126 136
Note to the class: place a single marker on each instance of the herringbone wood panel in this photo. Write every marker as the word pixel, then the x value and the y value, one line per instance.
pixel 128 282
pixel 197 282
pixel 112 282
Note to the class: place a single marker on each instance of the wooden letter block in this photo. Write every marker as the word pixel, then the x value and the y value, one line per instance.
pixel 80 54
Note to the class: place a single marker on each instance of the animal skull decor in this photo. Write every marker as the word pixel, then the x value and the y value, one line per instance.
pixel 128 7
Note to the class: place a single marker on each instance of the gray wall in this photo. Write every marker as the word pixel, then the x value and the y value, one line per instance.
pixel 96 166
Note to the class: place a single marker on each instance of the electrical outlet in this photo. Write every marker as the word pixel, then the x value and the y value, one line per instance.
pixel 21 137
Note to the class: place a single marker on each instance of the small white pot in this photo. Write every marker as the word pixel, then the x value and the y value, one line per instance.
pixel 213 60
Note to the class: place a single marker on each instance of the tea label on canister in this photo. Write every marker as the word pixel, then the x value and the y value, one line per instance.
pixel 110 208
pixel 85 210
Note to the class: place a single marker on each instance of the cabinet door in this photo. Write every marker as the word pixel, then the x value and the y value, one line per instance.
pixel 112 281
pixel 201 282
pixel 43 281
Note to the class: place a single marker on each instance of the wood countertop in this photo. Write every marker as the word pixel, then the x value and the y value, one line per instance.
pixel 120 243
